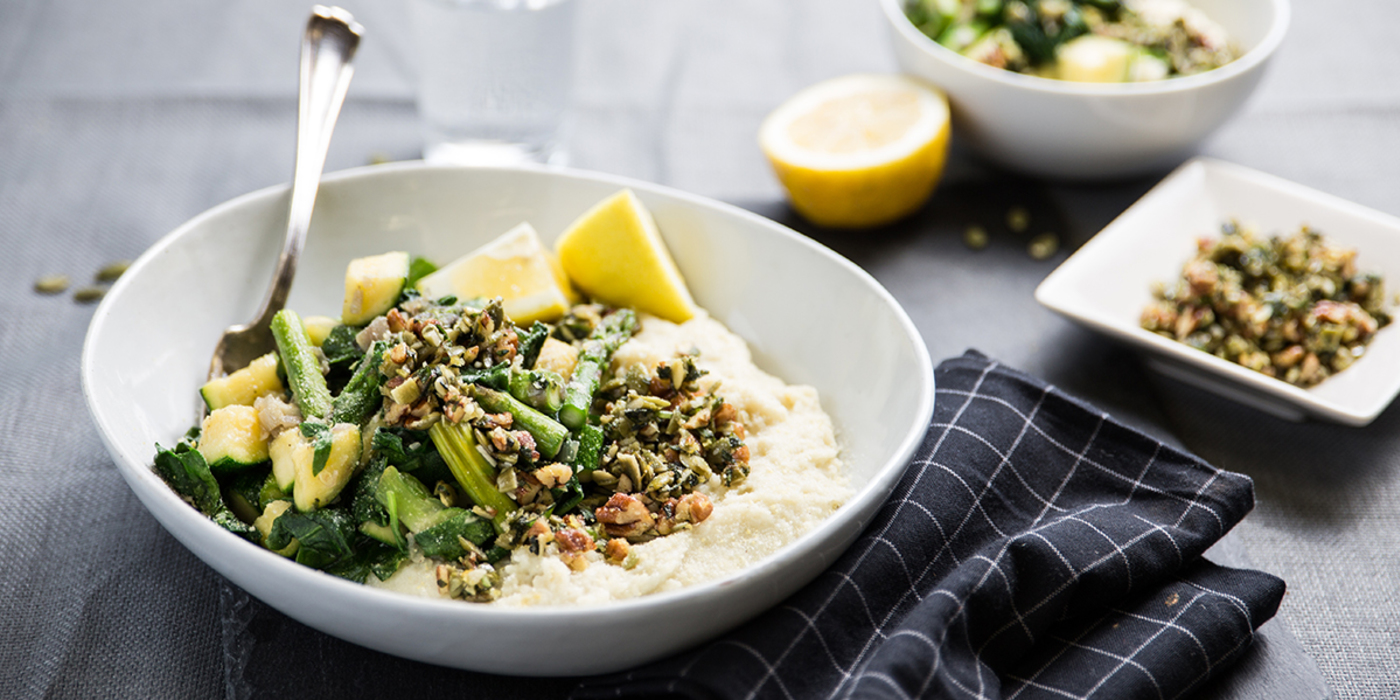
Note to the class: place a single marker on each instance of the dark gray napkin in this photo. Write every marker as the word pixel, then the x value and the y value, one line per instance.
pixel 1034 548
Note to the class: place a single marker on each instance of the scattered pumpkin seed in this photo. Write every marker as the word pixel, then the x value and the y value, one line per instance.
pixel 1043 246
pixel 1018 219
pixel 112 270
pixel 975 237
pixel 51 284
pixel 87 295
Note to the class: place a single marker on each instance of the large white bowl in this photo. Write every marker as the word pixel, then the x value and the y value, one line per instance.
pixel 809 315
pixel 1081 130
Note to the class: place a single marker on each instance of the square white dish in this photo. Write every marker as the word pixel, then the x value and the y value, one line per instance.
pixel 1108 281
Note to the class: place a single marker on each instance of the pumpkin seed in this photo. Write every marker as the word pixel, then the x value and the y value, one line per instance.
pixel 51 284
pixel 112 270
pixel 87 295
pixel 975 237
pixel 1043 246
pixel 1018 219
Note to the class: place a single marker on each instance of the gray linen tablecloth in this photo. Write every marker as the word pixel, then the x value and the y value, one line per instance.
pixel 120 120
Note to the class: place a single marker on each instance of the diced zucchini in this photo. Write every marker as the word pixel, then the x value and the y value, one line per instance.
pixel 271 490
pixel 264 522
pixel 318 328
pixel 244 386
pixel 1148 67
pixel 282 451
pixel 373 286
pixel 406 496
pixel 934 16
pixel 231 439
pixel 314 490
pixel 996 48
pixel 383 533
pixel 1095 59
pixel 959 36
pixel 243 494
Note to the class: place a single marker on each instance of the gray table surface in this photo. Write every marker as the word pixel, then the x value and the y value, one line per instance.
pixel 119 120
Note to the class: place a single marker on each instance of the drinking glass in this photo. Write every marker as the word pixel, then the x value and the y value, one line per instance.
pixel 495 79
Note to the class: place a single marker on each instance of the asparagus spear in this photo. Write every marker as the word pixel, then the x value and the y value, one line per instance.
pixel 549 434
pixel 457 446
pixel 360 397
pixel 597 351
pixel 303 370
pixel 538 388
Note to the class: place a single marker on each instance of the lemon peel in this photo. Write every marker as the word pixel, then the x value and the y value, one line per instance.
pixel 859 151
pixel 614 253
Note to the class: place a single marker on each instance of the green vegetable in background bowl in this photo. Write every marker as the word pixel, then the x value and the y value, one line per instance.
pixel 1099 41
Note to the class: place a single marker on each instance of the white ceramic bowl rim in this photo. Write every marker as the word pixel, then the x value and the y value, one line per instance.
pixel 877 489
pixel 1243 64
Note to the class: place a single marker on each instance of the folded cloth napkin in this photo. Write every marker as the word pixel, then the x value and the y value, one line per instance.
pixel 1035 547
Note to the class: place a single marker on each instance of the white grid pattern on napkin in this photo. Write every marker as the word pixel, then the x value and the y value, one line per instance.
pixel 855 677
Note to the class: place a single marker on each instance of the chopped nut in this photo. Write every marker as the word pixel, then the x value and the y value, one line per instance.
pixel 616 551
pixel 694 507
pixel 625 516
pixel 554 475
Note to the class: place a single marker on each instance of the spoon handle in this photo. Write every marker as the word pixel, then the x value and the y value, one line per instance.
pixel 332 35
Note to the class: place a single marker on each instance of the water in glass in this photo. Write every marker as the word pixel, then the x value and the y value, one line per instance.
pixel 495 78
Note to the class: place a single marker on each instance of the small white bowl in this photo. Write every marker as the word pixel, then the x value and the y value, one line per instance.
pixel 1082 130
pixel 1107 282
pixel 809 315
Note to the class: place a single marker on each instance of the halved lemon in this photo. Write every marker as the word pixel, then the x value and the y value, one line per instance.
pixel 859 151
pixel 516 267
pixel 614 253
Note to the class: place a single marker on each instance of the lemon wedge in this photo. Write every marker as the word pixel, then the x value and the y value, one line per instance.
pixel 858 151
pixel 614 253
pixel 516 267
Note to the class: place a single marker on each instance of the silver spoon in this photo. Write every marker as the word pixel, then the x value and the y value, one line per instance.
pixel 332 35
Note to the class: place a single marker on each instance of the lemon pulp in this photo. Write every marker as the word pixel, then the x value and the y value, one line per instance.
pixel 516 267
pixel 858 151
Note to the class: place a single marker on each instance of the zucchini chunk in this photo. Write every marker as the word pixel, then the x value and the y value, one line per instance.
pixel 243 493
pixel 313 489
pixel 264 522
pixel 318 328
pixel 1096 59
pixel 231 439
pixel 244 386
pixel 373 286
pixel 384 533
pixel 437 529
pixel 281 451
